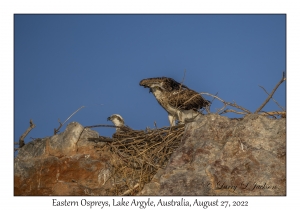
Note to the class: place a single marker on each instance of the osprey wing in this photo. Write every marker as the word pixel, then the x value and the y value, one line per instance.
pixel 186 99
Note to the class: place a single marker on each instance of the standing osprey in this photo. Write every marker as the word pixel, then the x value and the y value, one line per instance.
pixel 178 100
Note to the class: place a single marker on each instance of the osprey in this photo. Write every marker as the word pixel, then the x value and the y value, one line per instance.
pixel 178 100
pixel 117 120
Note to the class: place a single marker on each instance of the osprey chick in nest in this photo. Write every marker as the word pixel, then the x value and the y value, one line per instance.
pixel 178 100
pixel 117 120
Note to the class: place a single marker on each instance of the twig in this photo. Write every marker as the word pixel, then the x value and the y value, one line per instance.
pixel 283 114
pixel 94 126
pixel 207 108
pixel 231 110
pixel 156 128
pixel 214 98
pixel 272 93
pixel 101 139
pixel 228 103
pixel 182 79
pixel 129 191
pixel 61 124
pixel 57 130
pixel 102 125
pixel 73 114
pixel 21 140
pixel 272 98
pixel 219 110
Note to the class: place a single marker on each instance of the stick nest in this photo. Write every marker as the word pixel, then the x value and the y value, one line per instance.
pixel 137 155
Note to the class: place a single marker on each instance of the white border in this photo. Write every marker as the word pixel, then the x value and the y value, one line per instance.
pixel 9 8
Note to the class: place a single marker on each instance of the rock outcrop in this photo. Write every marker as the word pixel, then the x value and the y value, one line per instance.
pixel 221 156
pixel 64 164
pixel 217 156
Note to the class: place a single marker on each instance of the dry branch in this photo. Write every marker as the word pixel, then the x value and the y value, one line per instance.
pixel 21 140
pixel 101 139
pixel 102 125
pixel 273 113
pixel 207 108
pixel 272 93
pixel 272 98
pixel 231 110
pixel 61 124
pixel 228 103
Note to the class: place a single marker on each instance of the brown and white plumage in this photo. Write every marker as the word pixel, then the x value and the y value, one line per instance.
pixel 117 120
pixel 178 100
pixel 166 83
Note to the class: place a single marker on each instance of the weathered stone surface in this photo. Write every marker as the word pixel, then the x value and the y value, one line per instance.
pixel 73 175
pixel 62 144
pixel 217 156
pixel 64 164
pixel 221 156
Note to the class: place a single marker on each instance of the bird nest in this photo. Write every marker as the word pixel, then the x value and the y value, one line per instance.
pixel 137 156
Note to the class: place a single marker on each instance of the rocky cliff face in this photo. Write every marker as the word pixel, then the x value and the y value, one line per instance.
pixel 217 156
pixel 220 156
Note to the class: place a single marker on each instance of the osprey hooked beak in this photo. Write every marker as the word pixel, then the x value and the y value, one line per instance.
pixel 108 119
